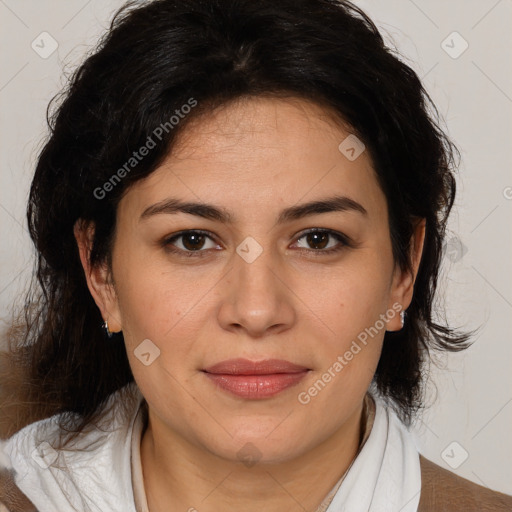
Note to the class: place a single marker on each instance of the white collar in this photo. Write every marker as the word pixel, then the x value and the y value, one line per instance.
pixel 386 475
pixel 96 474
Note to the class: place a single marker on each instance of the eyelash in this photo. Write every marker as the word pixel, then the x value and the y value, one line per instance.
pixel 343 239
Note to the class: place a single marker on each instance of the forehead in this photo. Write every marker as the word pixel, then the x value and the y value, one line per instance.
pixel 265 151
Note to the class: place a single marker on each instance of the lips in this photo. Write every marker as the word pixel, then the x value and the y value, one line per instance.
pixel 246 367
pixel 255 380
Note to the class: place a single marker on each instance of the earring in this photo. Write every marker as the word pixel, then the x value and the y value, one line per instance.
pixel 402 318
pixel 105 326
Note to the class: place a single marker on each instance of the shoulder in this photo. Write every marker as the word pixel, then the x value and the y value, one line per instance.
pixel 444 491
pixel 48 437
pixel 22 444
pixel 22 452
pixel 36 466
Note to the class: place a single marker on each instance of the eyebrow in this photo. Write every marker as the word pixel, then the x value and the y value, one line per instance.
pixel 208 211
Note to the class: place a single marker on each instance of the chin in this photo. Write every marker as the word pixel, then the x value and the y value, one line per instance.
pixel 250 449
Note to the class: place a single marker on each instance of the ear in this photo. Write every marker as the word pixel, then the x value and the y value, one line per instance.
pixel 98 277
pixel 403 280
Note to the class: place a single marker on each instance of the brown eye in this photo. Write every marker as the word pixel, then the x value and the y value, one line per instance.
pixel 323 241
pixel 193 241
pixel 318 239
pixel 189 242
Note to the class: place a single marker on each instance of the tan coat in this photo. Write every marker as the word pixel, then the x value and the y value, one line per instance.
pixel 444 491
pixel 441 491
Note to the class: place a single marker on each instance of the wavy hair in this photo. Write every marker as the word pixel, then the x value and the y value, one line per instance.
pixel 154 57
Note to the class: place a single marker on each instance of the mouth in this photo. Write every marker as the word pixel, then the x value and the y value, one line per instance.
pixel 255 380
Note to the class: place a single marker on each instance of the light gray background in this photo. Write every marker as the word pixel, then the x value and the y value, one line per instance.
pixel 471 413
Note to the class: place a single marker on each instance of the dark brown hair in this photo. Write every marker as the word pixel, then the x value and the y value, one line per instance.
pixel 156 57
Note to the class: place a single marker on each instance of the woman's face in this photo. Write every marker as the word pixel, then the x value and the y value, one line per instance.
pixel 256 286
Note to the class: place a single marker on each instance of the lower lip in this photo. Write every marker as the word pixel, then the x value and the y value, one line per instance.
pixel 256 387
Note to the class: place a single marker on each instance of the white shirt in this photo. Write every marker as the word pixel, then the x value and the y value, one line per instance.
pixel 101 470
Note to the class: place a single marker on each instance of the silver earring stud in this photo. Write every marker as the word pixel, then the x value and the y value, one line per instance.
pixel 105 326
pixel 402 318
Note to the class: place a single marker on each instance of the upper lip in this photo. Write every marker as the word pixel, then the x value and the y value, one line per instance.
pixel 241 366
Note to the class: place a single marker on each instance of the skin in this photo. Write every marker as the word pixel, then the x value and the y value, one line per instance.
pixel 253 157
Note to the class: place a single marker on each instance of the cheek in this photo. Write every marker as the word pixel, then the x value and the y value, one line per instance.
pixel 163 306
pixel 152 296
pixel 141 304
pixel 155 322
pixel 357 293
pixel 352 305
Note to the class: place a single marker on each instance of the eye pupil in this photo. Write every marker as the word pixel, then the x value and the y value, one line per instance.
pixel 196 239
pixel 318 237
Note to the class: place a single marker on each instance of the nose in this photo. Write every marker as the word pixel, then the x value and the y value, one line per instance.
pixel 257 300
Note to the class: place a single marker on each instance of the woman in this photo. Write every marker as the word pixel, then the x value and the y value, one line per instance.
pixel 239 218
